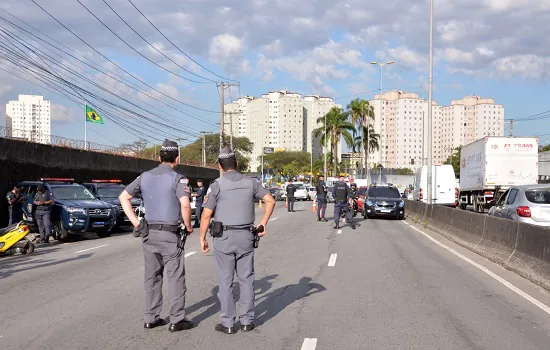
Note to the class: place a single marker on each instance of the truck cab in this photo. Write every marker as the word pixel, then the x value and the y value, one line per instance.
pixel 108 191
pixel 74 210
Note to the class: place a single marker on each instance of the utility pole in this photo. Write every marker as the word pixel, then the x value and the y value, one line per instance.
pixel 430 108
pixel 325 148
pixel 231 129
pixel 203 148
pixel 511 127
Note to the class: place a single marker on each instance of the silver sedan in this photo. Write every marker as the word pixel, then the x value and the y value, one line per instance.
pixel 529 204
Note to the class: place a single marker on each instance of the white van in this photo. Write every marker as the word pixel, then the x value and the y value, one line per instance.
pixel 444 191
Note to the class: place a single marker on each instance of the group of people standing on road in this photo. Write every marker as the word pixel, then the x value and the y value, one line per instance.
pixel 227 209
pixel 43 202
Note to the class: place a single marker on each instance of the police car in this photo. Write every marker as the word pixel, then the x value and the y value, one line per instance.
pixel 108 191
pixel 74 210
pixel 383 201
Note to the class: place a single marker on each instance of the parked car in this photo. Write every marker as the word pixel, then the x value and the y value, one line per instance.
pixel 301 192
pixel 330 198
pixel 444 191
pixel 74 210
pixel 311 193
pixel 276 193
pixel 383 201
pixel 362 194
pixel 108 191
pixel 527 203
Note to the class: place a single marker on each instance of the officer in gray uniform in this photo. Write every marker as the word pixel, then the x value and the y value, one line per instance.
pixel 231 199
pixel 43 202
pixel 166 198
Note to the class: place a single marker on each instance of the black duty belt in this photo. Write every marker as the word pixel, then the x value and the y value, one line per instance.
pixel 234 228
pixel 163 227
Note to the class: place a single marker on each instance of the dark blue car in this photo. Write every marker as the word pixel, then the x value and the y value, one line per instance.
pixel 108 191
pixel 75 209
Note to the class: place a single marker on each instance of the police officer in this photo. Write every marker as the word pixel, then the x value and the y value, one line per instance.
pixel 341 192
pixel 321 190
pixel 43 202
pixel 167 203
pixel 231 198
pixel 353 194
pixel 290 189
pixel 15 205
pixel 199 198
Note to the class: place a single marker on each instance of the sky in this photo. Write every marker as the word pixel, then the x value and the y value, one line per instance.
pixel 491 48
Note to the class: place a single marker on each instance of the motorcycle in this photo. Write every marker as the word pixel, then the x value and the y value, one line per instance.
pixel 17 239
pixel 140 213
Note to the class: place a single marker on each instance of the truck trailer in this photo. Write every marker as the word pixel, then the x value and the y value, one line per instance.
pixel 489 166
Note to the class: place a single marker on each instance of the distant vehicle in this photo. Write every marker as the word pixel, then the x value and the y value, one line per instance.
pixel 492 165
pixel 276 193
pixel 330 198
pixel 108 191
pixel 300 194
pixel 444 191
pixel 383 201
pixel 311 192
pixel 74 210
pixel 362 194
pixel 528 203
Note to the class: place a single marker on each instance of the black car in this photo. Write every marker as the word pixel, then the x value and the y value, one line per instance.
pixel 108 191
pixel 383 201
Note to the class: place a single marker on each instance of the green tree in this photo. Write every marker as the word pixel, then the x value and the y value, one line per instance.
pixel 403 171
pixel 338 127
pixel 454 160
pixel 544 148
pixel 362 114
pixel 278 160
pixel 242 148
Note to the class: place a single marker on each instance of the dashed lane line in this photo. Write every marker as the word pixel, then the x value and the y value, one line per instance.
pixel 507 284
pixel 309 344
pixel 85 250
pixel 189 254
pixel 273 219
pixel 339 232
pixel 332 260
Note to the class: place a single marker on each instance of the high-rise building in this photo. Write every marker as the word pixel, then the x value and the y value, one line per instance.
pixel 401 121
pixel 281 119
pixel 29 118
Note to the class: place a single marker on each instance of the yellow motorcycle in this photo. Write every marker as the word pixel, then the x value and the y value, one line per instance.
pixel 16 239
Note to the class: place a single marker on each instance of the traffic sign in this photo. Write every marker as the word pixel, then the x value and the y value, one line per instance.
pixel 269 150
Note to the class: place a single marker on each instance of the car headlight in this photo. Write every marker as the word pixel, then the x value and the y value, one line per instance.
pixel 369 203
pixel 401 204
pixel 73 210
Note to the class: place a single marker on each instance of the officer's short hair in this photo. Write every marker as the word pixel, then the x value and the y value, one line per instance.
pixel 228 163
pixel 168 156
pixel 200 180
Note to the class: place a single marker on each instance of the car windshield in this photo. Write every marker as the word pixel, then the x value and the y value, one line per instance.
pixel 300 187
pixel 362 191
pixel 110 192
pixel 384 192
pixel 538 196
pixel 72 193
pixel 273 190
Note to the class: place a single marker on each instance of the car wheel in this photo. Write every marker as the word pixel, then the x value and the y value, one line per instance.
pixel 58 231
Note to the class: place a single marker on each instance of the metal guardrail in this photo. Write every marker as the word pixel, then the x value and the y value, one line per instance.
pixel 60 141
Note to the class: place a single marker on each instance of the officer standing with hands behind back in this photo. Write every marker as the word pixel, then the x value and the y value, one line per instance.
pixel 290 190
pixel 166 198
pixel 231 199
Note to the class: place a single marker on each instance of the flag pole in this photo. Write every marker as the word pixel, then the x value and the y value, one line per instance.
pixel 85 128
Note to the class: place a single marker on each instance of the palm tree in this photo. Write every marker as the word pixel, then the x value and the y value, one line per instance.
pixel 362 114
pixel 370 138
pixel 337 126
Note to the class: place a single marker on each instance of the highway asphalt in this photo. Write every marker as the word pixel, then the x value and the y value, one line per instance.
pixel 385 285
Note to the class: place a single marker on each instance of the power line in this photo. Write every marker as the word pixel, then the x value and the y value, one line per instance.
pixel 114 63
pixel 135 31
pixel 170 41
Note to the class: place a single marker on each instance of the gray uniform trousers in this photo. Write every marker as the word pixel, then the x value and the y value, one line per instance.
pixel 234 252
pixel 162 255
pixel 44 223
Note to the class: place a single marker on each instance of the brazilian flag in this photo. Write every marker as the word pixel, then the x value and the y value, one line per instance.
pixel 92 116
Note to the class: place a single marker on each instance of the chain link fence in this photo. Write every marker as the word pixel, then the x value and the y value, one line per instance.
pixel 60 141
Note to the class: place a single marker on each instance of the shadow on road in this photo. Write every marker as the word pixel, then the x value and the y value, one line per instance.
pixel 268 303
pixel 10 267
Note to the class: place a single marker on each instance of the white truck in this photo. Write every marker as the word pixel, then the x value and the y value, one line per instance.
pixel 490 165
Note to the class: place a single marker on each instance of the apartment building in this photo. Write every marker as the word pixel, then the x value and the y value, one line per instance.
pixel 280 119
pixel 29 118
pixel 401 121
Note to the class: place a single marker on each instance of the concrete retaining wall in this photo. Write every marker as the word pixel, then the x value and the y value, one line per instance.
pixel 520 247
pixel 20 161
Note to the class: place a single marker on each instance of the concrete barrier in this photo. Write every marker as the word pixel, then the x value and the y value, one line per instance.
pixel 522 248
pixel 21 160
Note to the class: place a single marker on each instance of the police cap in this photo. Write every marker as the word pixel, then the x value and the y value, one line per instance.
pixel 168 145
pixel 226 153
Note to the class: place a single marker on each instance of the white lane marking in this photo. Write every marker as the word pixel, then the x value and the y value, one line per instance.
pixel 507 284
pixel 273 219
pixel 189 254
pixel 309 344
pixel 332 260
pixel 339 232
pixel 85 250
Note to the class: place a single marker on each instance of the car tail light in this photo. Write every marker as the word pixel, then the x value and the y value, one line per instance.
pixel 456 193
pixel 524 212
pixel 421 195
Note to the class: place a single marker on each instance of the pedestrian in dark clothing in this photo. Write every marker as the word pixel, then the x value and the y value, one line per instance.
pixel 15 205
pixel 290 190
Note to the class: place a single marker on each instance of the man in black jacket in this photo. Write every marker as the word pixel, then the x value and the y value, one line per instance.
pixel 290 189
pixel 322 191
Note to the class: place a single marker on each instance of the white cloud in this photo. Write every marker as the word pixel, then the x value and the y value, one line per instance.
pixel 60 113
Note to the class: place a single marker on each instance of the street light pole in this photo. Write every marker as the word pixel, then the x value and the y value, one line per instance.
pixel 381 65
pixel 179 147
pixel 430 89
pixel 260 125
pixel 325 148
